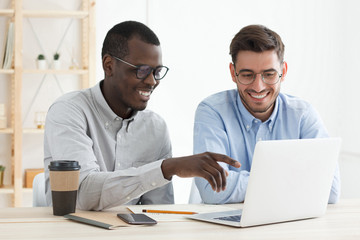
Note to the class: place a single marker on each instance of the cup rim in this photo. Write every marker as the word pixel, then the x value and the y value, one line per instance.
pixel 64 165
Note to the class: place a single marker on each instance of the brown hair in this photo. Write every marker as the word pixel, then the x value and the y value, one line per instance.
pixel 256 38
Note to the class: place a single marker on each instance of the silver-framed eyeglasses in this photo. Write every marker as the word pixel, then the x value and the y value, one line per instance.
pixel 247 77
pixel 143 71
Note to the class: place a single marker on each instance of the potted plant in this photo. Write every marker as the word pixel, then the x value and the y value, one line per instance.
pixel 2 170
pixel 56 63
pixel 41 62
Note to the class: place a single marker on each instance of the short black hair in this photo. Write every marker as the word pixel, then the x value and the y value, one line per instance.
pixel 116 40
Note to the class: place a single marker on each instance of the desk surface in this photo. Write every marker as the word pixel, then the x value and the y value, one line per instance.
pixel 342 221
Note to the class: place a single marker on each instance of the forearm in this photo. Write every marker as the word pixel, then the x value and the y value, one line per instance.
pixel 102 190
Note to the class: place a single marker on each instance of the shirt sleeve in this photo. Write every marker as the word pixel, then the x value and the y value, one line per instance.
pixel 66 138
pixel 210 135
pixel 313 127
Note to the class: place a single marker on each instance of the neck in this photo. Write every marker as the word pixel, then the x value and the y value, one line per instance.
pixel 118 109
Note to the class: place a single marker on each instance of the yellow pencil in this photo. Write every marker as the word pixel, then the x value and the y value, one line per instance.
pixel 167 211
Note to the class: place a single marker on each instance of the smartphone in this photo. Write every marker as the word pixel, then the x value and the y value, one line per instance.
pixel 136 218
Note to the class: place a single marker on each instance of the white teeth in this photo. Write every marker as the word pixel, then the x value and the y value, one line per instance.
pixel 144 93
pixel 259 96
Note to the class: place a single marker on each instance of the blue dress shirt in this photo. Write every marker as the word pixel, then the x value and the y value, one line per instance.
pixel 223 125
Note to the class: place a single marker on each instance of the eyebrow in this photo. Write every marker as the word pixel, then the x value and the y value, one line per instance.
pixel 249 70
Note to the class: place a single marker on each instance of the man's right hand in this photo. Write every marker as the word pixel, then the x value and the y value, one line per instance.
pixel 200 165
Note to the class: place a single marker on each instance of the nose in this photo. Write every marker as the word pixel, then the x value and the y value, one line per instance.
pixel 258 85
pixel 150 80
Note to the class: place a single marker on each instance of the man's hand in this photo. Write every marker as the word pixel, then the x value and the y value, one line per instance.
pixel 200 165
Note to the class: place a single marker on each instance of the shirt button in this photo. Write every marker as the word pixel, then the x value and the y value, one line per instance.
pixel 153 184
pixel 247 126
pixel 117 118
pixel 118 164
pixel 128 198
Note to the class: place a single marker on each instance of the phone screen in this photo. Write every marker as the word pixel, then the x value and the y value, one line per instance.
pixel 136 218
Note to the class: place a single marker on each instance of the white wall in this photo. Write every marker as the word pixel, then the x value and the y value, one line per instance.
pixel 321 39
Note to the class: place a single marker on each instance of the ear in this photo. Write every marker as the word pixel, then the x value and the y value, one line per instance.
pixel 107 63
pixel 232 72
pixel 284 71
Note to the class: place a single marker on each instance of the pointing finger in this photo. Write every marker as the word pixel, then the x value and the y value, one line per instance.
pixel 226 159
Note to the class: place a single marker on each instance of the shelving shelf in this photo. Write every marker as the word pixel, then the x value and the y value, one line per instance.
pixel 7 12
pixel 25 130
pixel 54 14
pixel 7 71
pixel 16 13
pixel 27 190
pixel 7 189
pixel 7 130
pixel 10 190
pixel 60 71
pixel 48 71
pixel 33 130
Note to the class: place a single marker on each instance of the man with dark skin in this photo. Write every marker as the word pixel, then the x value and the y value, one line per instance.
pixel 124 150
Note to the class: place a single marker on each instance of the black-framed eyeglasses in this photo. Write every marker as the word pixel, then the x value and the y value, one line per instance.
pixel 247 77
pixel 143 71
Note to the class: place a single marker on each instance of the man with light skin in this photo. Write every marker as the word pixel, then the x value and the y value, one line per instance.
pixel 123 149
pixel 231 122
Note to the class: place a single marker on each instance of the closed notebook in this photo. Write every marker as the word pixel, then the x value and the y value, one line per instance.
pixel 108 220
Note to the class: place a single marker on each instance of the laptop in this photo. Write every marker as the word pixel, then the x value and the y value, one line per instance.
pixel 289 180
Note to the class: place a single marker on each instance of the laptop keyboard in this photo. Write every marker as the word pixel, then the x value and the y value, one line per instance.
pixel 234 218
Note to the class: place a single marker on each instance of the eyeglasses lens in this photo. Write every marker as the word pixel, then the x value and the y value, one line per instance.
pixel 160 72
pixel 144 71
pixel 269 77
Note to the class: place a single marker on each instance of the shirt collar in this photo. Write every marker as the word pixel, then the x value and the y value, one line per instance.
pixel 248 119
pixel 103 107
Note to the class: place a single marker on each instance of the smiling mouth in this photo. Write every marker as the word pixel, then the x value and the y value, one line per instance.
pixel 258 96
pixel 145 93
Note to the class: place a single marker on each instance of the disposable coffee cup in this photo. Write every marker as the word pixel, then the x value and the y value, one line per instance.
pixel 64 182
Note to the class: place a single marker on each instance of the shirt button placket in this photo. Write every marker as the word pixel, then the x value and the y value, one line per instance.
pixel 261 133
pixel 118 146
pixel 118 151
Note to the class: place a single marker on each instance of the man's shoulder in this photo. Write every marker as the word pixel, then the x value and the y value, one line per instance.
pixel 294 102
pixel 77 98
pixel 221 98
pixel 151 116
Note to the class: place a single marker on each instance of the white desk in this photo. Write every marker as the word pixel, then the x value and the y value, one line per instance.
pixel 342 221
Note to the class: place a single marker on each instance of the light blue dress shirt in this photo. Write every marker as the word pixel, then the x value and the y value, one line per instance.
pixel 223 125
